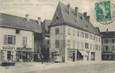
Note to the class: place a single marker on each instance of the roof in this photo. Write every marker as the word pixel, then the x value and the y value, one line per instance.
pixel 62 17
pixel 15 22
pixel 108 34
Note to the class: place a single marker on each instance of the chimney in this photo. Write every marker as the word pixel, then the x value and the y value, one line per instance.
pixel 88 18
pixel 85 14
pixel 98 29
pixel 76 11
pixel 27 17
pixel 39 20
pixel 68 7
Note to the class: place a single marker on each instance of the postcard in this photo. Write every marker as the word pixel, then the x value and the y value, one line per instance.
pixel 57 36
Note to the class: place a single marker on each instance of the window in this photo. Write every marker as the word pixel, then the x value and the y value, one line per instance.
pixel 106 48
pixel 69 31
pixel 82 34
pixel 86 35
pixel 24 41
pixel 57 31
pixel 48 42
pixel 93 37
pixel 57 44
pixel 106 41
pixel 81 17
pixel 99 39
pixel 113 48
pixel 96 47
pixel 90 36
pixel 9 39
pixel 9 56
pixel 90 46
pixel 86 45
pixel 113 40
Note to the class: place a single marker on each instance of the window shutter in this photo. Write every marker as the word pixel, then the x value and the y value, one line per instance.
pixel 13 40
pixel 5 39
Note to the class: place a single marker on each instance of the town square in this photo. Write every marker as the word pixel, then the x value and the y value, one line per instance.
pixel 57 36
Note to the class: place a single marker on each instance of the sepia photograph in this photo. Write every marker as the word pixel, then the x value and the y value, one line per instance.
pixel 57 36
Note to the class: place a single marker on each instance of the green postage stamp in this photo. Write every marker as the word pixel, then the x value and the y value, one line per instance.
pixel 103 11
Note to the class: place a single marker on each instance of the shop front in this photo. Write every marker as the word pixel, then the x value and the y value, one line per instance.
pixel 24 55
pixel 76 55
pixel 7 55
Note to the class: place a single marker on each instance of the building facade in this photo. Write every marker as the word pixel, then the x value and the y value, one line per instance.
pixel 73 37
pixel 45 30
pixel 17 38
pixel 108 45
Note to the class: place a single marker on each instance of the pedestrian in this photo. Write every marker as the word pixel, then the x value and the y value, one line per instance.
pixel 41 58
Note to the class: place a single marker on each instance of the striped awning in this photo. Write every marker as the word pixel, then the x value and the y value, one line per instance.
pixel 83 52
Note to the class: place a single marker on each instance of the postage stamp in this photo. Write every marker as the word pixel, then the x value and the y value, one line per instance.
pixel 103 11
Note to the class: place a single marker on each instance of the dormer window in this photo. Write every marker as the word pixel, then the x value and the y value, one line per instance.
pixel 57 17
pixel 17 31
pixel 57 31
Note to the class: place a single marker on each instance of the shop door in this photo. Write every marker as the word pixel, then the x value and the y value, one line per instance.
pixel 9 55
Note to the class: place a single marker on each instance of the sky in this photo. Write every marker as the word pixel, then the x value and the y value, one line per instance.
pixel 46 8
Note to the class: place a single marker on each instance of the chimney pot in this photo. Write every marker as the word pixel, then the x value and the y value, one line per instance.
pixel 85 14
pixel 68 6
pixel 88 18
pixel 76 11
pixel 27 17
pixel 39 20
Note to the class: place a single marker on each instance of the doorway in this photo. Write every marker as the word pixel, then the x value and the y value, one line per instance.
pixel 73 56
pixel 92 56
pixel 9 55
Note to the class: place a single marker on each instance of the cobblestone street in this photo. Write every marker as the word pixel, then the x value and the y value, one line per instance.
pixel 60 68
pixel 91 68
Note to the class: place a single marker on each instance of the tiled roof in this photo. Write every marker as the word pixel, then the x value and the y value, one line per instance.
pixel 62 17
pixel 108 34
pixel 11 21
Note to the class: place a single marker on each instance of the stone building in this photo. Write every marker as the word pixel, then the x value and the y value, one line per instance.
pixel 17 35
pixel 108 45
pixel 73 37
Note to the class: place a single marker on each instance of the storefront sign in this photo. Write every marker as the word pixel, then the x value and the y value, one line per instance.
pixel 8 48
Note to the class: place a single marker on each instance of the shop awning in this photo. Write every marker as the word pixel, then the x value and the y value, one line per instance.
pixel 83 52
